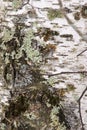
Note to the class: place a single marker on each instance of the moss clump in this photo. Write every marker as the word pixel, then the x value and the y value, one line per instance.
pixel 84 11
pixel 55 120
pixel 16 4
pixel 35 108
pixel 54 13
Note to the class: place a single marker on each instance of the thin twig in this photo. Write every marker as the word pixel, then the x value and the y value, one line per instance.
pixel 81 116
pixel 7 120
pixel 82 94
pixel 82 52
pixel 68 72
pixel 79 101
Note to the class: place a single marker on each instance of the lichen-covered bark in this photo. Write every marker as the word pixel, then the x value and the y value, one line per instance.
pixel 35 107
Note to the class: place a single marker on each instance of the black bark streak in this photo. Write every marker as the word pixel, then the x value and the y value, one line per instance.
pixel 13 73
pixel 6 70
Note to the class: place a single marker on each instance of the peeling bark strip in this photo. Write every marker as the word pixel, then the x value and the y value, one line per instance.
pixel 68 72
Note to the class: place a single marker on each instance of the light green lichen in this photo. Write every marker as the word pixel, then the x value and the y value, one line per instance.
pixel 8 35
pixel 30 116
pixel 2 126
pixel 31 53
pixel 52 81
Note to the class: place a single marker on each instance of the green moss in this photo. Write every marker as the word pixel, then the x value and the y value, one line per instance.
pixel 70 87
pixel 54 13
pixel 16 4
